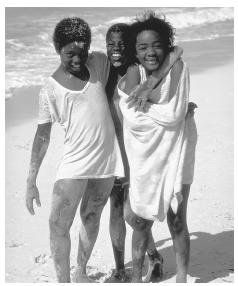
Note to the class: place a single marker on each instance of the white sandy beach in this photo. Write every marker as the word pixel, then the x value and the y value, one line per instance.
pixel 210 211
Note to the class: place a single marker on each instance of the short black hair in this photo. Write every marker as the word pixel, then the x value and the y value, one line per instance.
pixel 121 28
pixel 125 30
pixel 150 20
pixel 69 30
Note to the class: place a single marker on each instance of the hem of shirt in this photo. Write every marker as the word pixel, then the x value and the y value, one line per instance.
pixel 44 121
pixel 88 177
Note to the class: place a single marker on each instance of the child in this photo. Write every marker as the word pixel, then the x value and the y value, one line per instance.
pixel 160 145
pixel 75 97
pixel 119 54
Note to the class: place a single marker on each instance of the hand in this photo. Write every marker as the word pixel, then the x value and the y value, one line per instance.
pixel 191 108
pixel 32 193
pixel 138 98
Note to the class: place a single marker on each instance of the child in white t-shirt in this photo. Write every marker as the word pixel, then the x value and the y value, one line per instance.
pixel 74 96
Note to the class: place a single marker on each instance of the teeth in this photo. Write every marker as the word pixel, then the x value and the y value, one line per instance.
pixel 116 56
pixel 152 62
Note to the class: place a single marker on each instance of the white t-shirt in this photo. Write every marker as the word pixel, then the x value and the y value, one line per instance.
pixel 91 148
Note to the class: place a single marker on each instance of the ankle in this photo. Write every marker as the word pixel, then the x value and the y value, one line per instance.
pixel 181 278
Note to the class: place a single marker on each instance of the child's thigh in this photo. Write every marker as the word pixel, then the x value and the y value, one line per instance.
pixel 97 193
pixel 67 194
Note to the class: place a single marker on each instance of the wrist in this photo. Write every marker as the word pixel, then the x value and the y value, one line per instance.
pixel 31 181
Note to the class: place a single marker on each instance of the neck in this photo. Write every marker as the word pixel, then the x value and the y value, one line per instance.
pixel 83 74
pixel 120 70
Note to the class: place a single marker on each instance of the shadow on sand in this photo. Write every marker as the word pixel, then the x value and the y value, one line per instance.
pixel 212 257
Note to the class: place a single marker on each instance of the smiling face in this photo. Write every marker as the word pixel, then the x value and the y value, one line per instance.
pixel 74 56
pixel 150 50
pixel 116 49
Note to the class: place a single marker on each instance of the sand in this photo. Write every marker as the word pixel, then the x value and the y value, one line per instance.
pixel 210 211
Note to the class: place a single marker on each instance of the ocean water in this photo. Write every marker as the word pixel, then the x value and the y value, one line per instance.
pixel 30 55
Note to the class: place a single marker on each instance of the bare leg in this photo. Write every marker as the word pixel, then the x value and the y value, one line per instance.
pixel 93 202
pixel 66 196
pixel 140 238
pixel 155 268
pixel 179 231
pixel 151 244
pixel 118 231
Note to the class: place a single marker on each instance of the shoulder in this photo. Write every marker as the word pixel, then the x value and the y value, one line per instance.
pixel 133 69
pixel 97 56
pixel 48 89
pixel 133 73
pixel 47 84
pixel 177 67
pixel 132 78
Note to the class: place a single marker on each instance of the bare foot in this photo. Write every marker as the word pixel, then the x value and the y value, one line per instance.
pixel 120 275
pixel 79 277
pixel 136 280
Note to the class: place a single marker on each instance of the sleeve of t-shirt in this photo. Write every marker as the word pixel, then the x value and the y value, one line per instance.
pixel 44 106
pixel 102 66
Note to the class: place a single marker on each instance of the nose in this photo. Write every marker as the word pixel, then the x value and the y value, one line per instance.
pixel 76 59
pixel 116 47
pixel 150 51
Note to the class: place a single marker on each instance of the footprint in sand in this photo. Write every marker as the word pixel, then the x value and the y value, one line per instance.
pixel 42 258
pixel 12 244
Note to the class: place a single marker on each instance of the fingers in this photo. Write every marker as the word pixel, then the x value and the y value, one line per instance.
pixel 140 104
pixel 29 205
pixel 131 102
pixel 130 97
pixel 38 203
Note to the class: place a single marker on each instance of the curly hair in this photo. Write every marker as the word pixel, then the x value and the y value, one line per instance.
pixel 150 20
pixel 69 30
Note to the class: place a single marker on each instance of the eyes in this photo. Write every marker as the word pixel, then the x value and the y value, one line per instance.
pixel 112 45
pixel 143 47
pixel 71 54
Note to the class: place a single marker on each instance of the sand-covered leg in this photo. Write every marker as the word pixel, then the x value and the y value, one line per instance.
pixel 93 202
pixel 66 196
pixel 179 231
pixel 140 238
pixel 118 230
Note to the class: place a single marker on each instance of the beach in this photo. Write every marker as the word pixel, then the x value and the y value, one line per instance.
pixel 211 201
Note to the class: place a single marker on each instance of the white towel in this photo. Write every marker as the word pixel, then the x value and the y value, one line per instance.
pixel 154 144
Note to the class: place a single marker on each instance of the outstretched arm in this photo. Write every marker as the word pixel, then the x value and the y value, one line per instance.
pixel 39 148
